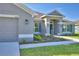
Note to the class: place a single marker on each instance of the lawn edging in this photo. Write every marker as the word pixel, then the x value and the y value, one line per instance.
pixel 46 44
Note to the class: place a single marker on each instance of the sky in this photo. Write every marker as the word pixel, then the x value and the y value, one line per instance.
pixel 69 10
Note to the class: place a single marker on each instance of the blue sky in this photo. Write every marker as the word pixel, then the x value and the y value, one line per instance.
pixel 71 11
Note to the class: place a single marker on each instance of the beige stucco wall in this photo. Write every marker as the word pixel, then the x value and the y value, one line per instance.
pixel 11 9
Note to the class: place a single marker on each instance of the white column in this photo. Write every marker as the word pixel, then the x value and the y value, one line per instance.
pixel 60 27
pixel 47 26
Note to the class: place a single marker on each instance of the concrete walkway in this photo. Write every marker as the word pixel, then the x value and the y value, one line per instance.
pixel 68 38
pixel 46 44
pixel 9 49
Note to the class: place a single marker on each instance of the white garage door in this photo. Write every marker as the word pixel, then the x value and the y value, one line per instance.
pixel 8 29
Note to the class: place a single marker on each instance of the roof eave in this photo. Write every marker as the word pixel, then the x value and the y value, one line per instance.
pixel 28 10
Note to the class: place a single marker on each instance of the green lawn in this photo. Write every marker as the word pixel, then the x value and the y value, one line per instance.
pixel 60 50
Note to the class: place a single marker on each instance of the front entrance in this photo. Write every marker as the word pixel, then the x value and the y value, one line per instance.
pixel 51 28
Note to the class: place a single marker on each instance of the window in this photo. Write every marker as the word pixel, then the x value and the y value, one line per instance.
pixel 66 28
pixel 39 27
pixel 70 28
pixel 36 27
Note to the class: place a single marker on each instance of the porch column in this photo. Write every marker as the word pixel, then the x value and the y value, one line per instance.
pixel 60 27
pixel 43 30
pixel 73 28
pixel 47 26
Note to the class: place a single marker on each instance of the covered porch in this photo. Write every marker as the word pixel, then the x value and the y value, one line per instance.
pixel 56 25
pixel 53 25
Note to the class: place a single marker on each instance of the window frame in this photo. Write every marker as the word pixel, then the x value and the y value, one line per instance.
pixel 36 27
pixel 68 28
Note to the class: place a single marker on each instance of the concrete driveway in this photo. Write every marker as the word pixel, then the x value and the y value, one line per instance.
pixel 9 49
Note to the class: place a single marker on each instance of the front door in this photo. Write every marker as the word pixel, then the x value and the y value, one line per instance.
pixel 51 28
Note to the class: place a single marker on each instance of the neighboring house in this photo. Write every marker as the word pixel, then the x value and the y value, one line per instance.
pixel 25 20
pixel 53 23
pixel 77 26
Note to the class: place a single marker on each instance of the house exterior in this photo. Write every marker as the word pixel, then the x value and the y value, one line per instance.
pixel 17 21
pixel 53 23
pixel 23 27
pixel 77 26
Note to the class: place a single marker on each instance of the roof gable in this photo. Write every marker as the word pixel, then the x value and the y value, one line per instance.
pixel 55 12
pixel 25 8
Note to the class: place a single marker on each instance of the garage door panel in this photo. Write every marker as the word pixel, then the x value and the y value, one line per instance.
pixel 8 26
pixel 8 37
pixel 8 29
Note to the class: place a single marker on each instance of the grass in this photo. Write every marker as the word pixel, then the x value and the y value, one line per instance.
pixel 60 50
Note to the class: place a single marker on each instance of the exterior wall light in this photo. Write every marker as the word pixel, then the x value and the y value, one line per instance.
pixel 26 21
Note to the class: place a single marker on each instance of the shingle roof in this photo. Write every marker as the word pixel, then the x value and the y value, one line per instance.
pixel 38 13
pixel 55 12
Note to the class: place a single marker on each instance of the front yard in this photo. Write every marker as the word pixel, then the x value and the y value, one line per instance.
pixel 40 39
pixel 60 50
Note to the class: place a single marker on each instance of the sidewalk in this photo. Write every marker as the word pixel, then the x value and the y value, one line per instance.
pixel 46 44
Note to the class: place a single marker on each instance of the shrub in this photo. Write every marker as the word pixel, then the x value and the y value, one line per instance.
pixel 76 34
pixel 37 37
pixel 23 41
pixel 50 36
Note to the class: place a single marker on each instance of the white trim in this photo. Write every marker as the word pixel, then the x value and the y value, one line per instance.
pixel 50 16
pixel 25 35
pixel 10 16
pixel 65 22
